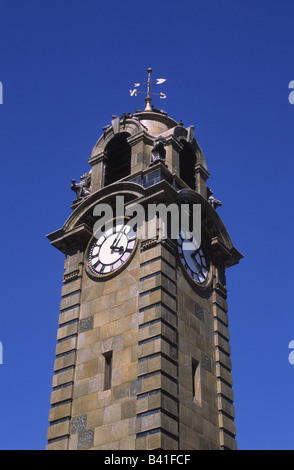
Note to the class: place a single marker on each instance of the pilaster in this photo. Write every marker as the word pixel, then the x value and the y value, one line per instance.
pixel 157 424
pixel 97 163
pixel 65 353
pixel 201 175
pixel 173 148
pixel 223 370
pixel 141 145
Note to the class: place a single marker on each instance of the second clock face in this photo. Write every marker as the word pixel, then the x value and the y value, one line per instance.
pixel 193 260
pixel 112 249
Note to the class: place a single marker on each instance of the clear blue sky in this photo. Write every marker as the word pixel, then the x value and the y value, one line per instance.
pixel 66 66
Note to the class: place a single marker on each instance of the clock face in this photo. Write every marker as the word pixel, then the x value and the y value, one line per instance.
pixel 193 259
pixel 112 249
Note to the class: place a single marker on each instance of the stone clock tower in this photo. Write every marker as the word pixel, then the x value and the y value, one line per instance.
pixel 143 353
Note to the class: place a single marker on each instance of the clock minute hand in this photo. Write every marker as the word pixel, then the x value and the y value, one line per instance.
pixel 118 237
pixel 114 246
pixel 116 241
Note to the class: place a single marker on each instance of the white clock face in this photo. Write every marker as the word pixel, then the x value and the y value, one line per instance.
pixel 112 249
pixel 193 259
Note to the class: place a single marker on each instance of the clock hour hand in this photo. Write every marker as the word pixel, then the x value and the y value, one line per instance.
pixel 117 248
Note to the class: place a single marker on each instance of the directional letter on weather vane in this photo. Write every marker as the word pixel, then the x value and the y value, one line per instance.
pixel 148 99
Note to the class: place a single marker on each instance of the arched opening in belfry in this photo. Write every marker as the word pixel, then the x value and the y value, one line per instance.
pixel 118 159
pixel 187 164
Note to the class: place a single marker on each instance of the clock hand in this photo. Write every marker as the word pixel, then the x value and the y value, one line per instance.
pixel 116 248
pixel 194 257
pixel 118 238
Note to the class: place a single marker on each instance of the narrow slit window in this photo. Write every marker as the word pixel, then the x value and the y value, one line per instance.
pixel 107 370
pixel 196 382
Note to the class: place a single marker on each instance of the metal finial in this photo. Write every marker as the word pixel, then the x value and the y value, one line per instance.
pixel 148 98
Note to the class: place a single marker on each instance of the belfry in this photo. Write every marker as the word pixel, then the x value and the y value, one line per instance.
pixel 143 353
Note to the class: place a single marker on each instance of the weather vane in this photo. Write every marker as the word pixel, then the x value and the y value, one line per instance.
pixel 148 99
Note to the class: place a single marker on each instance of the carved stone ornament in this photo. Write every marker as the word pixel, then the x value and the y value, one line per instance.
pixel 158 152
pixel 82 189
pixel 211 199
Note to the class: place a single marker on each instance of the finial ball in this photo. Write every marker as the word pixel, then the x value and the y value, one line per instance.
pixel 149 70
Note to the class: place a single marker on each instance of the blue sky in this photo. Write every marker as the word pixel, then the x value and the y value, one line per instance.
pixel 66 66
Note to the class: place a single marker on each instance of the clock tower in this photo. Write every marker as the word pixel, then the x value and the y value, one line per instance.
pixel 143 353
